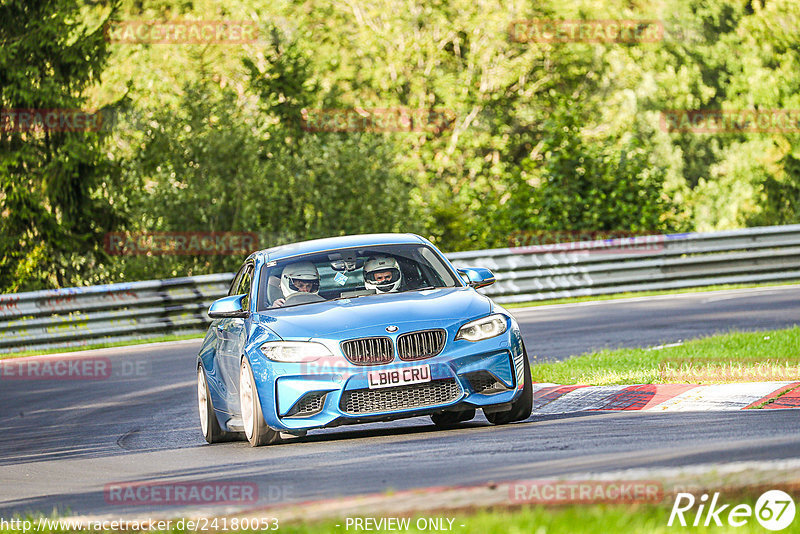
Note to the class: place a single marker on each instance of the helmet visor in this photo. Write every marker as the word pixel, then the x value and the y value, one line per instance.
pixel 382 277
pixel 304 286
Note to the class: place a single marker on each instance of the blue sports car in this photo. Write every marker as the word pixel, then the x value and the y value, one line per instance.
pixel 357 329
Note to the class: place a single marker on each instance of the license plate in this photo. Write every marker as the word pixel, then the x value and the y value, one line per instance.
pixel 399 376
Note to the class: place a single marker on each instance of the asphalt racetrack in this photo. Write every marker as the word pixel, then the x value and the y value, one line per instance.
pixel 64 441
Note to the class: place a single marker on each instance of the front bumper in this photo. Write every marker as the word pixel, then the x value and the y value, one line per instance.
pixel 307 396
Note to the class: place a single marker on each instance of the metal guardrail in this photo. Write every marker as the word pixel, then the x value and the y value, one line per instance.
pixel 139 310
pixel 78 316
pixel 642 263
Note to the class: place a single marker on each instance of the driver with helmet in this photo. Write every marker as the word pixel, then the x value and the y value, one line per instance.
pixel 382 274
pixel 300 277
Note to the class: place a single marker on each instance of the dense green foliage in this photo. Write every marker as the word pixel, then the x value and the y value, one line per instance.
pixel 543 136
pixel 54 193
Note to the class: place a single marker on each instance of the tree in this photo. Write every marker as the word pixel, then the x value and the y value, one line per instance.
pixel 222 161
pixel 55 197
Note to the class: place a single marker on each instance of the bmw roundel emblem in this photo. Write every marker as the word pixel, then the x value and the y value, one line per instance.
pixel 391 328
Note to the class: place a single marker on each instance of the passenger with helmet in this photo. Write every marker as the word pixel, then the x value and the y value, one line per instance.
pixel 300 277
pixel 382 274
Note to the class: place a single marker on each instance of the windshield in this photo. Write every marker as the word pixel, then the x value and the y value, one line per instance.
pixel 351 273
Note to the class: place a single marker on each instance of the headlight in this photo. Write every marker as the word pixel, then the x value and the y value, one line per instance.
pixel 485 328
pixel 294 351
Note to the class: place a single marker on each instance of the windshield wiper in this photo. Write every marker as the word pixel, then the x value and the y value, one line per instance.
pixel 419 289
pixel 353 296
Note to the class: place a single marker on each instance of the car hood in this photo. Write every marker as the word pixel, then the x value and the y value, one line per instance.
pixel 369 315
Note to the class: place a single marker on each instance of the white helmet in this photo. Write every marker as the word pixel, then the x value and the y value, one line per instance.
pixel 301 271
pixel 382 264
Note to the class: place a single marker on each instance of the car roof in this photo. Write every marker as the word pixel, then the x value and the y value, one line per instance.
pixel 332 243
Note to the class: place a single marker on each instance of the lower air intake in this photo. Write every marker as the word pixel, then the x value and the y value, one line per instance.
pixel 310 404
pixel 485 383
pixel 364 401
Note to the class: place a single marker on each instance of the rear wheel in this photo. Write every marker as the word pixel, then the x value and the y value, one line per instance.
pixel 208 419
pixel 255 428
pixel 451 419
pixel 522 407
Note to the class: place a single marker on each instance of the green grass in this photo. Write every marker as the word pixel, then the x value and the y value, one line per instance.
pixel 571 519
pixel 574 519
pixel 706 360
pixel 615 296
pixel 101 345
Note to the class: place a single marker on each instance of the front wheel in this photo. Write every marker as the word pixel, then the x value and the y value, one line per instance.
pixel 521 408
pixel 255 428
pixel 208 419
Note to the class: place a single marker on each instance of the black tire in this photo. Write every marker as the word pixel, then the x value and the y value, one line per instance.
pixel 256 429
pixel 209 425
pixel 522 408
pixel 446 420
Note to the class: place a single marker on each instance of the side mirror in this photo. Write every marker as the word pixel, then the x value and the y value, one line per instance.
pixel 232 306
pixel 477 277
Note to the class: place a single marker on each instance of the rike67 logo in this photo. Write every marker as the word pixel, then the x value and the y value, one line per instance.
pixel 774 510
